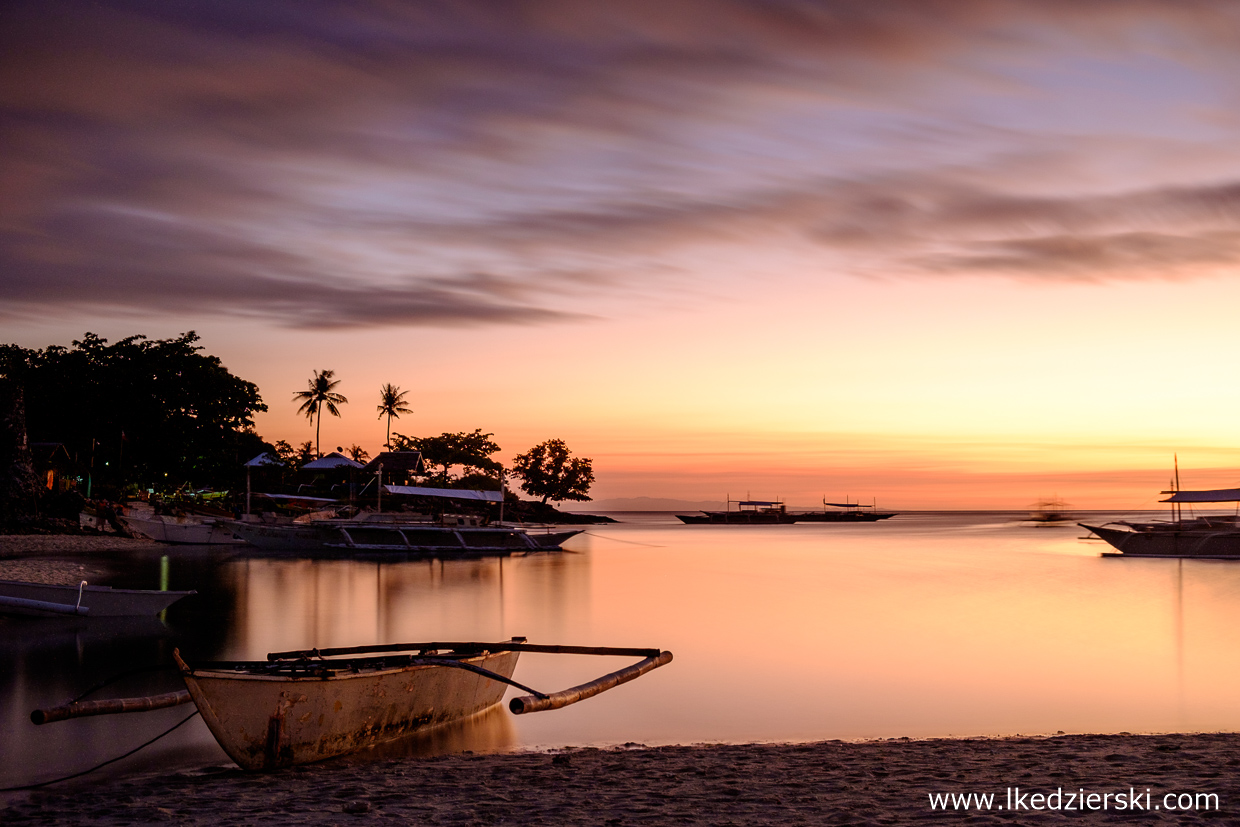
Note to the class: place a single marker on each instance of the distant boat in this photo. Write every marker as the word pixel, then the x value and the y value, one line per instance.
pixel 774 512
pixel 303 706
pixel 43 600
pixel 1206 537
pixel 1050 512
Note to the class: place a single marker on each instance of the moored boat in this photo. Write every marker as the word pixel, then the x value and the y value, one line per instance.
pixel 303 706
pixel 345 537
pixel 44 600
pixel 177 530
pixel 1210 536
pixel 774 512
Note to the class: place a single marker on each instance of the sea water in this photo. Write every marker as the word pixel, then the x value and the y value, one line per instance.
pixel 924 625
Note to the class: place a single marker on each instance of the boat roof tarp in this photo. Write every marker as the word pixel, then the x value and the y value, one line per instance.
pixel 757 502
pixel 1218 495
pixel 451 493
pixel 849 505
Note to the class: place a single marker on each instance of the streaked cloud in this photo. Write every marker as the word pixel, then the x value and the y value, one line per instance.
pixel 379 164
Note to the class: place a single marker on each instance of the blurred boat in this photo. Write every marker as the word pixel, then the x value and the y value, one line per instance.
pixel 774 512
pixel 303 706
pixel 1050 512
pixel 1216 537
pixel 42 600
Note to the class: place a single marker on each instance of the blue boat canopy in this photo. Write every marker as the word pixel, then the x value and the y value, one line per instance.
pixel 1218 495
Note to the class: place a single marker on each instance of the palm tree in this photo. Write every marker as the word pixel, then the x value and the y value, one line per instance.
pixel 321 394
pixel 392 403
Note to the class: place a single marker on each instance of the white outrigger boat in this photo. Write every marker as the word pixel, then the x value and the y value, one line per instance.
pixel 303 706
pixel 182 530
pixel 43 600
pixel 348 537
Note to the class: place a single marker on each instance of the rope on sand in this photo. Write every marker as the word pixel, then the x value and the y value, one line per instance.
pixel 104 764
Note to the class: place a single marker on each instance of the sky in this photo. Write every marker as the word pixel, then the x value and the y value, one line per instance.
pixel 963 254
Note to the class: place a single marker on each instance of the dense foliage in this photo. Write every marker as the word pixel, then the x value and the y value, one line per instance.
pixel 471 451
pixel 320 393
pixel 153 412
pixel 549 470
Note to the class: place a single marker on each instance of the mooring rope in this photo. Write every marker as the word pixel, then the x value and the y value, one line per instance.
pixel 104 764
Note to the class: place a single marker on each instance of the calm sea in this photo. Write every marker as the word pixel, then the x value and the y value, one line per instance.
pixel 928 624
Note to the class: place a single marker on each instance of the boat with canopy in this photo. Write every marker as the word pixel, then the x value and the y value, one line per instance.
pixel 1215 536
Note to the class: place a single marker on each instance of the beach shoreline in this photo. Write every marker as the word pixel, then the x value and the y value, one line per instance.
pixel 49 558
pixel 829 782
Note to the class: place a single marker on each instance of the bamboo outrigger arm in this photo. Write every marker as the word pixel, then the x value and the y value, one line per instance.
pixel 555 700
pixel 109 707
pixel 534 702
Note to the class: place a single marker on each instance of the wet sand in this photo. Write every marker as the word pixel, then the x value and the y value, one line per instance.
pixel 877 782
pixel 39 558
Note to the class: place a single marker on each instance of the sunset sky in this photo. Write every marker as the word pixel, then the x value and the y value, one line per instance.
pixel 942 254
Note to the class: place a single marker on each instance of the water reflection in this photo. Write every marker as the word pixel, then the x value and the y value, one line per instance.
pixel 923 625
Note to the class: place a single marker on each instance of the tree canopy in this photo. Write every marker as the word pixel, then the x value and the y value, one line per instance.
pixel 549 470
pixel 150 411
pixel 320 393
pixel 471 451
pixel 392 404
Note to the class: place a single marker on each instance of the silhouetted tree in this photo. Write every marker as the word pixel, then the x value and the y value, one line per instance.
pixel 357 453
pixel 150 411
pixel 471 451
pixel 549 470
pixel 391 403
pixel 306 452
pixel 320 394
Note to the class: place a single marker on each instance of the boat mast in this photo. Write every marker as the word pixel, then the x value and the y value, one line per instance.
pixel 1177 510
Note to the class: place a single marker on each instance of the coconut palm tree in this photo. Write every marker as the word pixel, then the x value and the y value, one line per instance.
pixel 320 394
pixel 391 403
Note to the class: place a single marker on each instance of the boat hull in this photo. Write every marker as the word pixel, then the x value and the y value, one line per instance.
pixel 265 722
pixel 778 518
pixel 99 601
pixel 415 539
pixel 1220 544
pixel 179 531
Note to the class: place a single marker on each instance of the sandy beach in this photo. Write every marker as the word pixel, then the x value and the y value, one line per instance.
pixel 39 558
pixel 877 782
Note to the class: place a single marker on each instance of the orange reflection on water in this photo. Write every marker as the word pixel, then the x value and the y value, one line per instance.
pixel 923 625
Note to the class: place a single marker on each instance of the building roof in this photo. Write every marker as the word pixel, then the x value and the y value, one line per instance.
pixel 397 462
pixel 329 461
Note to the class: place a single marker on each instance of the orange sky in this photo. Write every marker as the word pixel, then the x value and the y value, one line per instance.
pixel 943 256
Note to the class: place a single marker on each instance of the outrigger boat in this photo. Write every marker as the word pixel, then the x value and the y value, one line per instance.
pixel 348 537
pixel 303 706
pixel 182 530
pixel 1211 536
pixel 42 600
pixel 774 512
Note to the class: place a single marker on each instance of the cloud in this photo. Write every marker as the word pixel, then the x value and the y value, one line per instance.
pixel 529 163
